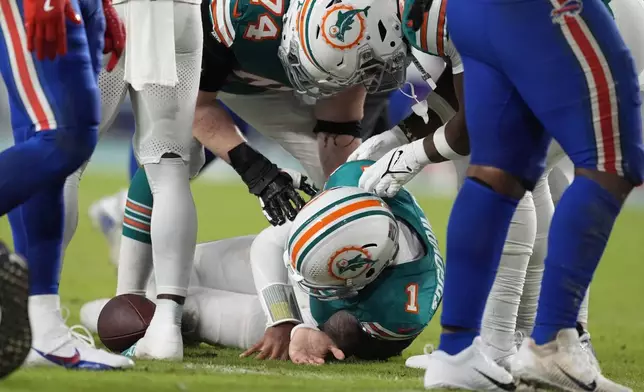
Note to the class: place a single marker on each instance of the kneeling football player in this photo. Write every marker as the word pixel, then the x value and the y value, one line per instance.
pixel 353 275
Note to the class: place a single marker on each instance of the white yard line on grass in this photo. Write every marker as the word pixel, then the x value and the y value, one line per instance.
pixel 232 369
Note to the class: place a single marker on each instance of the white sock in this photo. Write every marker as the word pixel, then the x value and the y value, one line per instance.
pixel 70 199
pixel 135 266
pixel 167 312
pixel 532 287
pixel 560 178
pixel 45 318
pixel 583 312
pixel 135 247
pixel 173 225
pixel 500 315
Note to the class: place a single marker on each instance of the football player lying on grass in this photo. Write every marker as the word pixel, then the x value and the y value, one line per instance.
pixel 352 275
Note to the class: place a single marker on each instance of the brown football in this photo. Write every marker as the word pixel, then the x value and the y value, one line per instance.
pixel 124 320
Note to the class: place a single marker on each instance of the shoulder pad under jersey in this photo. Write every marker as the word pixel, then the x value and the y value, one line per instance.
pixel 221 17
pixel 432 36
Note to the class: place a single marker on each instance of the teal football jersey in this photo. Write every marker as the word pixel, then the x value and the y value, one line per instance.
pixel 403 299
pixel 252 29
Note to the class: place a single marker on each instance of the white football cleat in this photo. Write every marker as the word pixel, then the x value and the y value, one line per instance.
pixel 561 364
pixel 74 350
pixel 420 361
pixel 587 345
pixel 163 343
pixel 106 215
pixel 503 356
pixel 89 313
pixel 471 369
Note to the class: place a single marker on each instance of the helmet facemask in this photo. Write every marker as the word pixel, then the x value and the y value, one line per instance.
pixel 376 57
pixel 332 293
pixel 341 242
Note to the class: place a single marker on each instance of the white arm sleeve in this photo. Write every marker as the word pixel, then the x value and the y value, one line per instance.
pixel 276 294
pixel 455 58
pixel 266 254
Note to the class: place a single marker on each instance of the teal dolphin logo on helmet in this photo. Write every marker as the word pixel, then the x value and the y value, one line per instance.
pixel 353 264
pixel 345 22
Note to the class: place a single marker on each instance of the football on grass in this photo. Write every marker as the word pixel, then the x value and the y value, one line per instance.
pixel 124 320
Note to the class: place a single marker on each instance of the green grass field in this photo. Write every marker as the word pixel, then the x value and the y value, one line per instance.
pixel 617 318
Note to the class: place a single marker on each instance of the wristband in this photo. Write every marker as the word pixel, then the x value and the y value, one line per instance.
pixel 280 304
pixel 300 326
pixel 442 147
pixel 254 168
pixel 350 128
pixel 418 148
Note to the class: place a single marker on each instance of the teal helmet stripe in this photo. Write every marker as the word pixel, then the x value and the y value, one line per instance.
pixel 322 211
pixel 307 35
pixel 336 227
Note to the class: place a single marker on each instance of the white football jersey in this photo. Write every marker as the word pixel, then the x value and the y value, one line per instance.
pixel 433 36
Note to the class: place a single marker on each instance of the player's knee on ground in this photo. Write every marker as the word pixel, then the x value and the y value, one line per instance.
pixel 345 331
pixel 499 180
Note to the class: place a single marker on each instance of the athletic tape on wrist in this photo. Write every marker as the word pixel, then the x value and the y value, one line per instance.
pixel 280 304
pixel 443 148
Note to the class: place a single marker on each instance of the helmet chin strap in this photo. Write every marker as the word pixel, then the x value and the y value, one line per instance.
pixel 426 76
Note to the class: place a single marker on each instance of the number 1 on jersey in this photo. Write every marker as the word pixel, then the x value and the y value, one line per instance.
pixel 412 298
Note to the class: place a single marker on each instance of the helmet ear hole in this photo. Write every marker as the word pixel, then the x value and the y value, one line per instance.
pixel 370 273
pixel 382 30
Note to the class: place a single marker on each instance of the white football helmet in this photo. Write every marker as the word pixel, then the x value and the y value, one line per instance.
pixel 340 242
pixel 329 45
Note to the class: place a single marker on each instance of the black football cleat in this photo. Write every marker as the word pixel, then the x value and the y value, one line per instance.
pixel 15 332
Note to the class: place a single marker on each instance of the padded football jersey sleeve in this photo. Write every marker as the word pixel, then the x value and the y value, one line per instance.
pixel 432 36
pixel 218 61
pixel 454 57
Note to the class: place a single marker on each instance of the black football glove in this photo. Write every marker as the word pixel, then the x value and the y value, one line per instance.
pixel 276 189
pixel 300 182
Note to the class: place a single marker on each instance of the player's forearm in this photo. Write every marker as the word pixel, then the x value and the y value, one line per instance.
pixel 266 256
pixel 271 278
pixel 214 127
pixel 338 128
pixel 449 142
pixel 334 150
